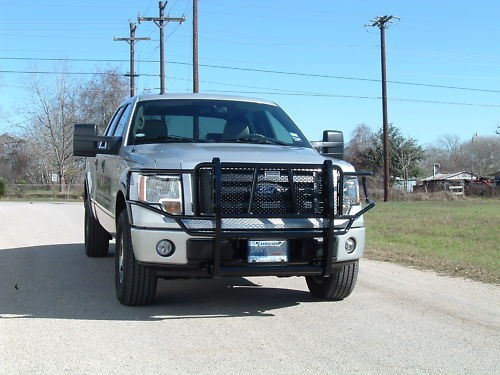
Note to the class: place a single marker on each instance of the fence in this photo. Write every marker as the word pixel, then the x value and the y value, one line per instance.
pixel 53 191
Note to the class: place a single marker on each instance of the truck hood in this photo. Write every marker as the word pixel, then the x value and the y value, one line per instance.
pixel 188 155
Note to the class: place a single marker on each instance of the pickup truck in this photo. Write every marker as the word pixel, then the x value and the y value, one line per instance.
pixel 204 186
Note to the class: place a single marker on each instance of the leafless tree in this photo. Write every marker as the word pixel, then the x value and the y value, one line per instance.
pixel 99 97
pixel 484 155
pixel 55 104
pixel 51 109
pixel 360 142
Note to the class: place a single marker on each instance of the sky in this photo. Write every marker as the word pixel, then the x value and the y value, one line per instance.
pixel 316 59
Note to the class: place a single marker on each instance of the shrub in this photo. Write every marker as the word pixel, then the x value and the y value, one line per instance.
pixel 2 188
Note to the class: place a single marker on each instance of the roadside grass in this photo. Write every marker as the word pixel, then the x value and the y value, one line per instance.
pixel 458 238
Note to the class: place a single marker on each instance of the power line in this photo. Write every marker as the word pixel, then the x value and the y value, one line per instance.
pixel 313 75
pixel 269 91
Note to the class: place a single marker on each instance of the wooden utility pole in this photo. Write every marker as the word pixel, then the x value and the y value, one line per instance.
pixel 160 22
pixel 131 41
pixel 196 82
pixel 381 22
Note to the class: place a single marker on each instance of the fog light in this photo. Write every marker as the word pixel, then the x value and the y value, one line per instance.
pixel 350 245
pixel 165 248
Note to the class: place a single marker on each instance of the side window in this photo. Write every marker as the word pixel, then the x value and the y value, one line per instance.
pixel 118 131
pixel 112 124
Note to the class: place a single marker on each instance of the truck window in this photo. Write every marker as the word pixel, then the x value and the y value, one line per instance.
pixel 118 131
pixel 112 124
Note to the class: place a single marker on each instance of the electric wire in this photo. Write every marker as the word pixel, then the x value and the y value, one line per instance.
pixel 311 75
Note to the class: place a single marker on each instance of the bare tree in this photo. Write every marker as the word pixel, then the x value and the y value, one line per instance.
pixel 55 104
pixel 484 155
pixel 406 157
pixel 52 113
pixel 99 97
pixel 360 142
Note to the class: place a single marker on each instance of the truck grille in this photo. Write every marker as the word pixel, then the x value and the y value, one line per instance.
pixel 262 190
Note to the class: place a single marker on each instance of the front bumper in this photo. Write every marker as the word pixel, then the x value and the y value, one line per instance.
pixel 217 244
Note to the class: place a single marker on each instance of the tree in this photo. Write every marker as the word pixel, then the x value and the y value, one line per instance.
pixel 482 155
pixel 366 152
pixel 405 157
pixel 14 159
pixel 52 111
pixel 360 142
pixel 99 97
pixel 55 104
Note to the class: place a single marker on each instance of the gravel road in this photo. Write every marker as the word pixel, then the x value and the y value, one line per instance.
pixel 59 315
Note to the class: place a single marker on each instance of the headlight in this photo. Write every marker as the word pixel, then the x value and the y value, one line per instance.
pixel 165 191
pixel 351 194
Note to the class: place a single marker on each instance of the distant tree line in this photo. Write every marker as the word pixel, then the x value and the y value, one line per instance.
pixel 410 160
pixel 41 145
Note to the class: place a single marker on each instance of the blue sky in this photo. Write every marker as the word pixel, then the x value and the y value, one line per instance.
pixel 328 62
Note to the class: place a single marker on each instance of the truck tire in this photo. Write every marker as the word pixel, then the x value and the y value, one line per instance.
pixel 135 283
pixel 96 237
pixel 337 286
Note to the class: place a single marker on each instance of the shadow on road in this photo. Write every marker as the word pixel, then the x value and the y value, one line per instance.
pixel 60 282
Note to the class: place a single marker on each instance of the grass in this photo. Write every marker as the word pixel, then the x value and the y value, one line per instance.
pixel 459 238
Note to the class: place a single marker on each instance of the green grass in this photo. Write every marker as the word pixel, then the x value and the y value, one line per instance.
pixel 460 237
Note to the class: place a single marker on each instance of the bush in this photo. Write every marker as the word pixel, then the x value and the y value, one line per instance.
pixel 2 188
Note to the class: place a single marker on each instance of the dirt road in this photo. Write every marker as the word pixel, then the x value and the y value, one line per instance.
pixel 59 314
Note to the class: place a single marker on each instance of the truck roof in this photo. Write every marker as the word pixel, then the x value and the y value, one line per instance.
pixel 196 96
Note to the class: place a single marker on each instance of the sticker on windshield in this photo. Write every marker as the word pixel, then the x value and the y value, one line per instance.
pixel 296 137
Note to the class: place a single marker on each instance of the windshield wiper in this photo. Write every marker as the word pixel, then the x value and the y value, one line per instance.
pixel 257 138
pixel 167 139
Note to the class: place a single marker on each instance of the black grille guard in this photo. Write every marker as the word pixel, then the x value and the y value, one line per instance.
pixel 217 225
pixel 192 224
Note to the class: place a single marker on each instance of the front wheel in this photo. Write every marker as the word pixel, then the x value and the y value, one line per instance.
pixel 135 283
pixel 337 286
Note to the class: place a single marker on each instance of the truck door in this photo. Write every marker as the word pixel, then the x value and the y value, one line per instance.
pixel 107 168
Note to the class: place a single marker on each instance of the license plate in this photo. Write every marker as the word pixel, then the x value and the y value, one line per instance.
pixel 269 251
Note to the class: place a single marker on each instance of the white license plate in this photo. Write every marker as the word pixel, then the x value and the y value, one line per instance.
pixel 267 251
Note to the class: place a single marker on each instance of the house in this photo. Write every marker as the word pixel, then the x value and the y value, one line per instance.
pixel 453 182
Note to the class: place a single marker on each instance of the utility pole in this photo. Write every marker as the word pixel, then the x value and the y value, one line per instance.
pixel 131 41
pixel 472 155
pixel 381 22
pixel 196 82
pixel 160 22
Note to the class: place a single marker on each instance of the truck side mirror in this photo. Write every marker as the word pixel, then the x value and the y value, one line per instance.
pixel 86 142
pixel 332 144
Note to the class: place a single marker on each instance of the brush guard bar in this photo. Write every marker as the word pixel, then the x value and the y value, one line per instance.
pixel 327 224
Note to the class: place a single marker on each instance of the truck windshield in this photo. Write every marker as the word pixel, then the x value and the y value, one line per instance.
pixel 203 120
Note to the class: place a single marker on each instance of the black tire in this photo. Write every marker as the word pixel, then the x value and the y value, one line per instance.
pixel 135 284
pixel 96 237
pixel 337 286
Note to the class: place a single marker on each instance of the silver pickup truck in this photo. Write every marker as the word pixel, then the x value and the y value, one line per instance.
pixel 203 186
